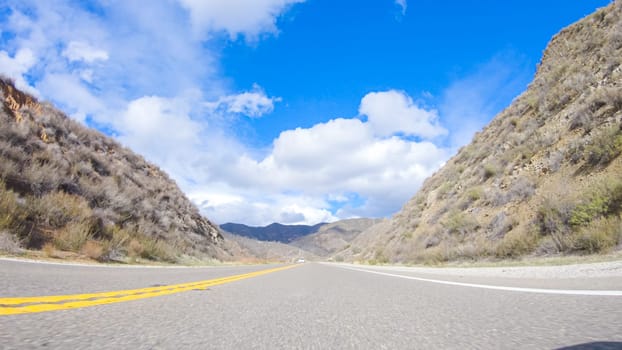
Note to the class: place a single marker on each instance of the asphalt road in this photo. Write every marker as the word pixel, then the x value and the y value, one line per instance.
pixel 311 306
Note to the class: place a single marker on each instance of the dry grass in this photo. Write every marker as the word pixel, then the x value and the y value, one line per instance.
pixel 542 177
pixel 93 250
pixel 63 183
pixel 73 236
pixel 9 243
pixel 605 146
pixel 50 251
pixel 602 235
pixel 517 243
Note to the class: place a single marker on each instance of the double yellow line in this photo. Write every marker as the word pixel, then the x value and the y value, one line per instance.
pixel 14 306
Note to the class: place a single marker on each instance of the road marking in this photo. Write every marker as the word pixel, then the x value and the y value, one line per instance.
pixel 25 305
pixel 486 286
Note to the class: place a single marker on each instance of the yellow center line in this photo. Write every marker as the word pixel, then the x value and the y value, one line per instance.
pixel 14 306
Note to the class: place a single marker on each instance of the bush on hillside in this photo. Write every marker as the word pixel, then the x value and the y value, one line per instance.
pixel 605 146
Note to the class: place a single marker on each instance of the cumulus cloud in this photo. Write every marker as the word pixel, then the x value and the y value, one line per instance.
pixel 15 67
pixel 253 103
pixel 261 209
pixel 80 51
pixel 241 17
pixel 70 94
pixel 158 125
pixel 391 112
pixel 160 102
pixel 342 165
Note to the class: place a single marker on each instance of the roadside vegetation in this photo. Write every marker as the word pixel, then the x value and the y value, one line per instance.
pixel 543 178
pixel 67 188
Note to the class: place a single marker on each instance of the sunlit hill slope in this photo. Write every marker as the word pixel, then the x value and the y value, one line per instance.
pixel 67 188
pixel 544 177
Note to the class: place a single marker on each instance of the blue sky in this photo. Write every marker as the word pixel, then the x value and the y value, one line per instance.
pixel 287 111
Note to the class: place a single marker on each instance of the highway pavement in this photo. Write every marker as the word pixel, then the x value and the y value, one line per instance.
pixel 307 306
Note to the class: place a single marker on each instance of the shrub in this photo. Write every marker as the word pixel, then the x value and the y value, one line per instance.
pixel 155 249
pixel 490 170
pixel 9 242
pixel 11 214
pixel 115 247
pixel 443 190
pixel 605 146
pixel 93 249
pixel 523 188
pixel 437 254
pixel 380 258
pixel 553 216
pixel 584 213
pixel 135 248
pixel 500 225
pixel 56 209
pixel 517 243
pixel 600 235
pixel 574 152
pixel 407 235
pixel 49 249
pixel 73 236
pixel 474 194
pixel 582 118
pixel 575 225
pixel 555 161
pixel 458 222
pixel 603 199
pixel 552 220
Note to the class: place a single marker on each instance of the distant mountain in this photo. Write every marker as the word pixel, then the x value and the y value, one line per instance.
pixel 544 177
pixel 317 241
pixel 67 188
pixel 274 232
pixel 251 250
pixel 333 237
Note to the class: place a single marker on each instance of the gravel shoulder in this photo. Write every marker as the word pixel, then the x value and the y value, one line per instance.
pixel 583 270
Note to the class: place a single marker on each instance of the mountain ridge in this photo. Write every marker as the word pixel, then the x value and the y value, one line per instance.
pixel 273 232
pixel 541 178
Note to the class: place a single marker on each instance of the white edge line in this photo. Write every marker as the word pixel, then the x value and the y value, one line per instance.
pixel 486 286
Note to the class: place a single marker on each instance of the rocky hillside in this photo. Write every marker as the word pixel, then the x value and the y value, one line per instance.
pixel 64 187
pixel 249 250
pixel 544 177
pixel 333 237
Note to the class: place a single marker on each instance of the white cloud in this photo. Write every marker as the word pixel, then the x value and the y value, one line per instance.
pixel 17 66
pixel 391 112
pixel 159 125
pixel 261 209
pixel 247 17
pixel 80 51
pixel 157 87
pixel 308 168
pixel 253 103
pixel 74 98
pixel 402 4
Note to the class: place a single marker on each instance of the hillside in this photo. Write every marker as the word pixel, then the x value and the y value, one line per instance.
pixel 67 188
pixel 333 237
pixel 287 242
pixel 274 232
pixel 544 177
pixel 252 250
